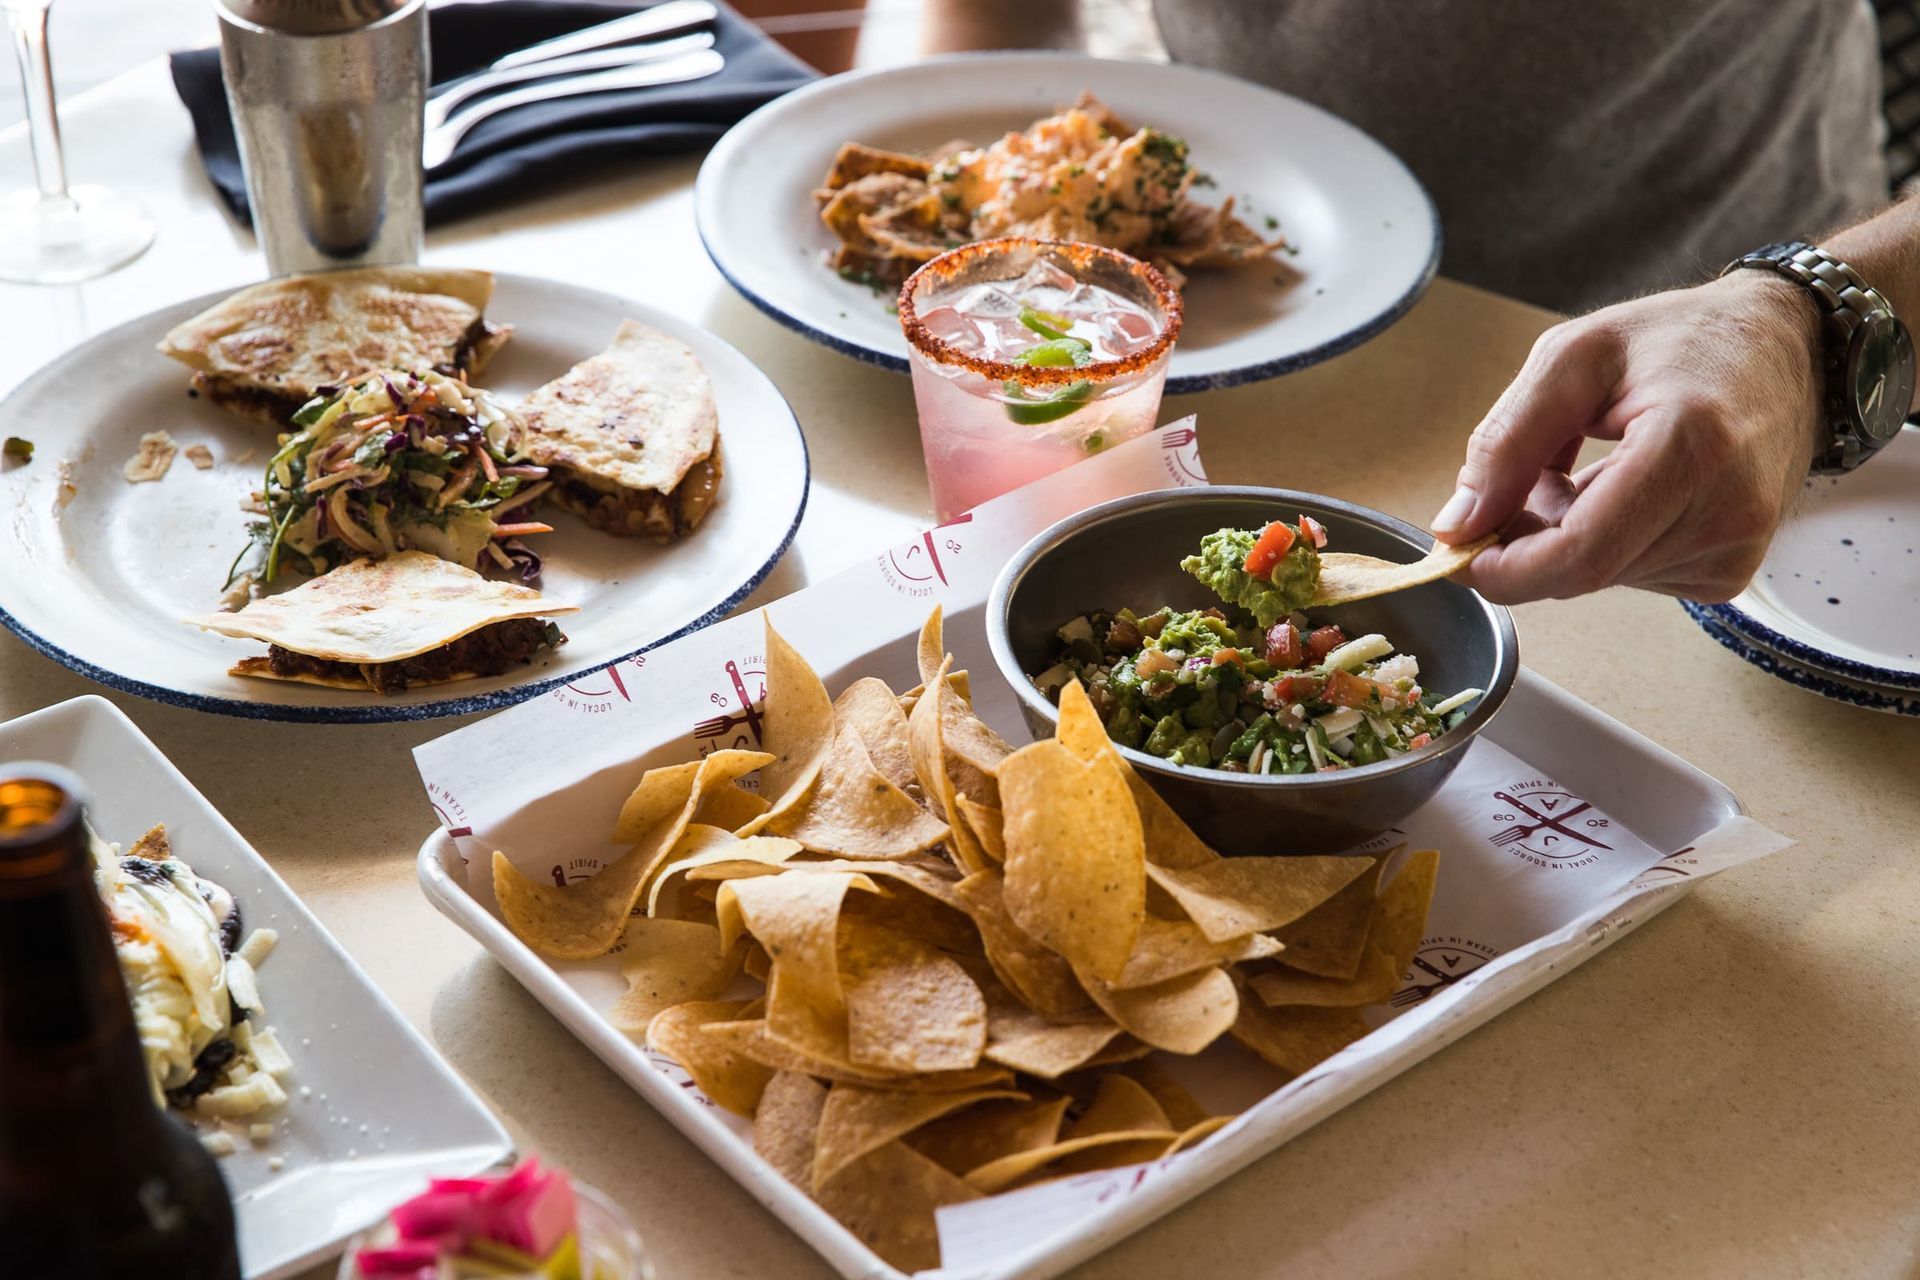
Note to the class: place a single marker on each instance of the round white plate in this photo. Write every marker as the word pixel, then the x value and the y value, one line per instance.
pixel 101 581
pixel 1367 235
pixel 1840 589
pixel 1855 693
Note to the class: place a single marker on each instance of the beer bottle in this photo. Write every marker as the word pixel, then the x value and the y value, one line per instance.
pixel 96 1183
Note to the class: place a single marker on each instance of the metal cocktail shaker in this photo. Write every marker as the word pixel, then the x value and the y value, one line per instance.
pixel 327 97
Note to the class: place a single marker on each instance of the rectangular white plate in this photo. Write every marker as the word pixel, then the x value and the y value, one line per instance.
pixel 373 1110
pixel 1512 914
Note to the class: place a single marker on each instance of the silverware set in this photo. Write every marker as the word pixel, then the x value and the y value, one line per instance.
pixel 661 45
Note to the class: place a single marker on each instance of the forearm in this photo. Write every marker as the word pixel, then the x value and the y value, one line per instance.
pixel 952 25
pixel 1885 250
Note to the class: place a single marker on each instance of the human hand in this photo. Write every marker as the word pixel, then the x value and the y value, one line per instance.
pixel 1714 395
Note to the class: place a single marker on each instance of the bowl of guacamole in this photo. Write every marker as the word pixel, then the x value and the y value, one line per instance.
pixel 1271 725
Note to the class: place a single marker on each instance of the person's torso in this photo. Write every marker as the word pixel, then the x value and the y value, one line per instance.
pixel 1579 153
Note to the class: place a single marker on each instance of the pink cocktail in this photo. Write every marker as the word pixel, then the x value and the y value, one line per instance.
pixel 1029 355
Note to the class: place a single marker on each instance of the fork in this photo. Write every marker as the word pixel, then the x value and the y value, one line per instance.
pixel 660 20
pixel 441 106
pixel 718 725
pixel 438 143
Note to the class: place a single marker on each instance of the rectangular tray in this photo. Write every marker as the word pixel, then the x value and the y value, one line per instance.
pixel 1664 824
pixel 373 1111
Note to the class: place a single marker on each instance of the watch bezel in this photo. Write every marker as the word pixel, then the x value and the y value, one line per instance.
pixel 1876 429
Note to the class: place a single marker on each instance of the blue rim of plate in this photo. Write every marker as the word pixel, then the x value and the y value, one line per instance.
pixel 1812 681
pixel 1187 384
pixel 383 713
pixel 1738 620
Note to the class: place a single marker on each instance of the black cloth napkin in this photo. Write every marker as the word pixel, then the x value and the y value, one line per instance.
pixel 535 147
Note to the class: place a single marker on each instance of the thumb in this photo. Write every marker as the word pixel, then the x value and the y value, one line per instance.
pixel 1561 391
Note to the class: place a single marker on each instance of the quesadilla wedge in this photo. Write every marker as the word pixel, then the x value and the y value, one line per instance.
pixel 391 625
pixel 272 347
pixel 630 437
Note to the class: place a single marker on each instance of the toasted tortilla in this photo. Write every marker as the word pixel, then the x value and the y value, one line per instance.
pixel 632 436
pixel 1345 577
pixel 266 350
pixel 377 611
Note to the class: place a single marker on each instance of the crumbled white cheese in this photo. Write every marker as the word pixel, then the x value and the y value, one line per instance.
pixel 218 1142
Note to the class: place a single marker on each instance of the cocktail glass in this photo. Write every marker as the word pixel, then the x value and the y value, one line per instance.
pixel 1029 355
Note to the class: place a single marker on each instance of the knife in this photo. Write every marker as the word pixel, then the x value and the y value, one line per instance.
pixel 662 19
pixel 439 143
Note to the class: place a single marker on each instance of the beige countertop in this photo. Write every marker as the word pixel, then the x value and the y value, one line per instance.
pixel 1733 1091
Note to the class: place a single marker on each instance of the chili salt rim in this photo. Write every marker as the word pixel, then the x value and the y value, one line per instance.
pixel 1077 254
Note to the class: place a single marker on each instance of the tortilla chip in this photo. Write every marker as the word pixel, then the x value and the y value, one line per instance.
pixel 786 1125
pixel 1399 916
pixel 930 654
pixel 887 1200
pixel 1169 948
pixel 659 794
pixel 986 824
pixel 748 1037
pixel 1121 1105
pixel 1075 856
pixel 1181 1108
pixel 1331 939
pixel 730 1079
pixel 1198 1132
pixel 1294 1039
pixel 796 724
pixel 757 964
pixel 988 1132
pixel 665 963
pixel 704 846
pixel 1181 1015
pixel 1231 897
pixel 1027 1167
pixel 1041 978
pixel 857 1121
pixel 854 811
pixel 909 1008
pixel 1346 577
pixel 925 741
pixel 1169 840
pixel 729 808
pixel 797 919
pixel 870 708
pixel 1041 1047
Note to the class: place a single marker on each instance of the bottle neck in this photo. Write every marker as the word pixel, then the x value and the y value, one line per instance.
pixel 67 1038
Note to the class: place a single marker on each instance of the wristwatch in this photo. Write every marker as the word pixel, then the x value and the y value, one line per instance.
pixel 1868 358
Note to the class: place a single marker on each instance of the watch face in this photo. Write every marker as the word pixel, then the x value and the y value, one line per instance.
pixel 1880 369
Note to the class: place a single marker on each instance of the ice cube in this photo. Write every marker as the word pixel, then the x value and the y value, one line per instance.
pixel 1045 277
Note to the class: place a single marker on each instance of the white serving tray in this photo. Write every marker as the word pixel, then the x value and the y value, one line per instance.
pixel 373 1111
pixel 1511 915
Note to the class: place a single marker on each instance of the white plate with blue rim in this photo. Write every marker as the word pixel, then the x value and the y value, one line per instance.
pixel 1838 596
pixel 96 573
pixel 372 1110
pixel 1366 238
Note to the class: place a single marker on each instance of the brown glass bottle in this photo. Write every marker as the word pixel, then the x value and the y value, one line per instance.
pixel 96 1183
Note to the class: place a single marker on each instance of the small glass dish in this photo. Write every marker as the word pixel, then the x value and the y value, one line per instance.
pixel 610 1245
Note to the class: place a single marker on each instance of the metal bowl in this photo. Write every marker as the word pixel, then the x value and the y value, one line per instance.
pixel 1127 553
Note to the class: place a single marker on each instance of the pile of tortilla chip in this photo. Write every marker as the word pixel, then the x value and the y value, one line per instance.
pixel 931 967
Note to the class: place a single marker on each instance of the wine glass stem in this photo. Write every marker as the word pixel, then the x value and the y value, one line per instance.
pixel 29 24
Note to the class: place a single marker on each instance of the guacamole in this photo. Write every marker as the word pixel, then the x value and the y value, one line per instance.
pixel 1256 687
pixel 1289 586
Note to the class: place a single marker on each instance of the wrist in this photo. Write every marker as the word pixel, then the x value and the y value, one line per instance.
pixel 1792 325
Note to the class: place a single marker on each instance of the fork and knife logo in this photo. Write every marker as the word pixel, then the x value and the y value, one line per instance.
pixel 1541 827
pixel 748 717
